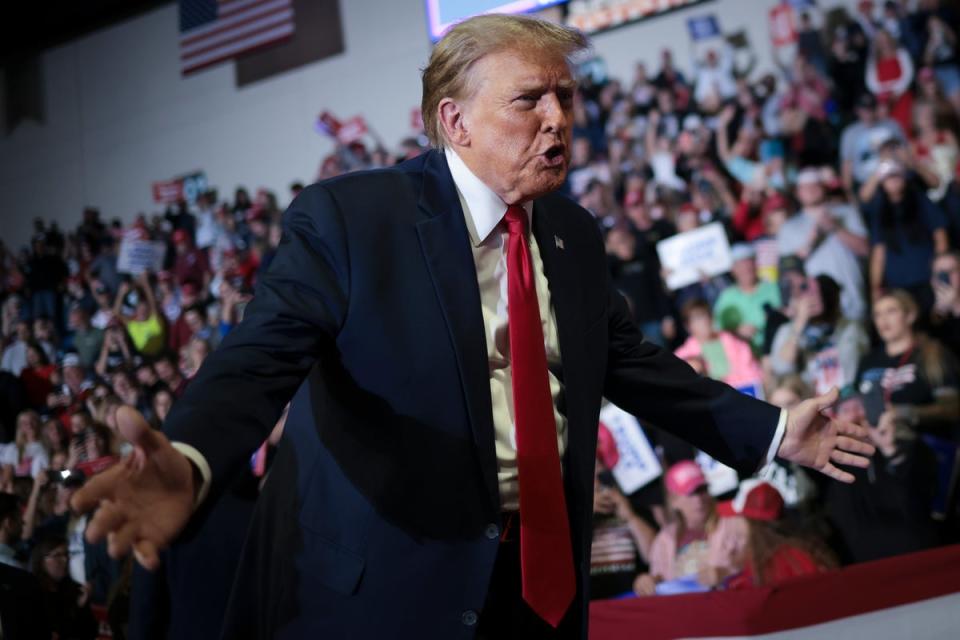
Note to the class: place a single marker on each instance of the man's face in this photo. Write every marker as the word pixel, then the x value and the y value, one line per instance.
pixel 745 272
pixel 810 194
pixel 517 125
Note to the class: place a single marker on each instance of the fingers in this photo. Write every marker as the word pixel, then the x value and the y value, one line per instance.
pixel 838 475
pixel 97 488
pixel 856 431
pixel 120 541
pixel 146 554
pixel 827 400
pixel 107 518
pixel 855 446
pixel 134 427
pixel 849 459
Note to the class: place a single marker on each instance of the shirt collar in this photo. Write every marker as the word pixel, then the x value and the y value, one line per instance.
pixel 482 208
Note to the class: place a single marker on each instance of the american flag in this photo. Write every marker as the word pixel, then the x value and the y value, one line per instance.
pixel 216 30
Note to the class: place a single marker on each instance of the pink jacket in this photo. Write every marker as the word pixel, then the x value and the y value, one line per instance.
pixel 744 369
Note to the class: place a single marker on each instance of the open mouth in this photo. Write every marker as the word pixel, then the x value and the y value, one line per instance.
pixel 554 155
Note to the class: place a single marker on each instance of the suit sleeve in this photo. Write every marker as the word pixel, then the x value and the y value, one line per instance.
pixel 298 308
pixel 662 390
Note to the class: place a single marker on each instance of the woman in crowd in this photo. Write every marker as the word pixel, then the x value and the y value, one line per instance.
pixel 906 231
pixel 145 326
pixel 35 377
pixel 680 548
pixel 818 341
pixel 25 457
pixel 65 601
pixel 918 376
pixel 750 547
pixel 889 76
pixel 727 357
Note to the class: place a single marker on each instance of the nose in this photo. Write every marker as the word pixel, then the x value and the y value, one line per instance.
pixel 554 115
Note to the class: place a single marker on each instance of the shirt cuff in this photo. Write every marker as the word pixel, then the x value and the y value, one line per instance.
pixel 201 465
pixel 774 445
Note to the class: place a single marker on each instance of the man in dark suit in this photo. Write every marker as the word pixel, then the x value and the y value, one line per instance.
pixel 447 330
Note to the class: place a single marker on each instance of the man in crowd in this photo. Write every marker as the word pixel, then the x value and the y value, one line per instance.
pixel 831 240
pixel 466 280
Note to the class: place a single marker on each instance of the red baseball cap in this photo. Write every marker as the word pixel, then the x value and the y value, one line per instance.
pixel 684 478
pixel 756 500
pixel 180 236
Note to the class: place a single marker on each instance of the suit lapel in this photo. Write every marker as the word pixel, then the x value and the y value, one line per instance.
pixel 445 243
pixel 560 270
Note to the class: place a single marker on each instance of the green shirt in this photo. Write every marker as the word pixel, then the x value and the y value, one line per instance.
pixel 735 307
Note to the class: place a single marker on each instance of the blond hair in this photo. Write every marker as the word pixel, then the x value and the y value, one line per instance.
pixel 447 74
pixel 933 357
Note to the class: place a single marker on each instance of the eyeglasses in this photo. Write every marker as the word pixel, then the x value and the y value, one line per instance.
pixel 60 555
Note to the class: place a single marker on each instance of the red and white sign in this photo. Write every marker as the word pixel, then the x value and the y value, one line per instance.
pixel 185 187
pixel 783 28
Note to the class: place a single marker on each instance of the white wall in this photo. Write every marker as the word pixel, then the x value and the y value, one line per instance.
pixel 119 116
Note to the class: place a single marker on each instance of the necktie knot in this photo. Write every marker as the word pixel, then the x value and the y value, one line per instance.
pixel 516 219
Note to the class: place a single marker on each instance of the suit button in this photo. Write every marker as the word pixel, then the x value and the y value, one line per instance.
pixel 492 531
pixel 469 618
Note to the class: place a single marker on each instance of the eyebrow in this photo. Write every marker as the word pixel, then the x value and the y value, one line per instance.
pixel 534 86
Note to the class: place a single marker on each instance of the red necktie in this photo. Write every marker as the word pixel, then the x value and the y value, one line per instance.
pixel 546 557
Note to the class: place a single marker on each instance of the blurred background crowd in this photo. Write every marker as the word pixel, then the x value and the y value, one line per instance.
pixel 835 183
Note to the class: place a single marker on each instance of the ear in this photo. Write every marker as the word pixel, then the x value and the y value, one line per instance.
pixel 451 116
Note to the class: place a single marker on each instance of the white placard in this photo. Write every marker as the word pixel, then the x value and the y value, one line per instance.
pixel 690 256
pixel 137 256
pixel 720 477
pixel 637 464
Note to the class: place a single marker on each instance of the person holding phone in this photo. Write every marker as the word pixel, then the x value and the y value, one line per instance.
pixel 887 512
pixel 818 342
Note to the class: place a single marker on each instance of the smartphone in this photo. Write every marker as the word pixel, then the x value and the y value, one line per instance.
pixel 874 403
pixel 943 277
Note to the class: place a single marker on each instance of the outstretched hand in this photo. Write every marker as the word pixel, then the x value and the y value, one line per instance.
pixel 815 440
pixel 143 502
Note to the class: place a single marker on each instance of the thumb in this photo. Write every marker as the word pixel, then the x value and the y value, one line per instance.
pixel 134 427
pixel 827 400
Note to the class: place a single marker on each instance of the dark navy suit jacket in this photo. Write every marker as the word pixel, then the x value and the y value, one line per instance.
pixel 380 515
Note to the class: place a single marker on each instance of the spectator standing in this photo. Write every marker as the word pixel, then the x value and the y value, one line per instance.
pixel 860 143
pixel 829 239
pixel 907 230
pixel 889 76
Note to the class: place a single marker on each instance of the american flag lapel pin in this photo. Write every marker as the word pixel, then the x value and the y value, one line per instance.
pixel 559 241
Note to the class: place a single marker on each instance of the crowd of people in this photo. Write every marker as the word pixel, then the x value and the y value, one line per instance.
pixel 836 183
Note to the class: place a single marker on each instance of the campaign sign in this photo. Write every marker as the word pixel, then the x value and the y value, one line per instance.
pixel 703 27
pixel 720 478
pixel 783 31
pixel 637 464
pixel 693 255
pixel 352 130
pixel 137 256
pixel 186 187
